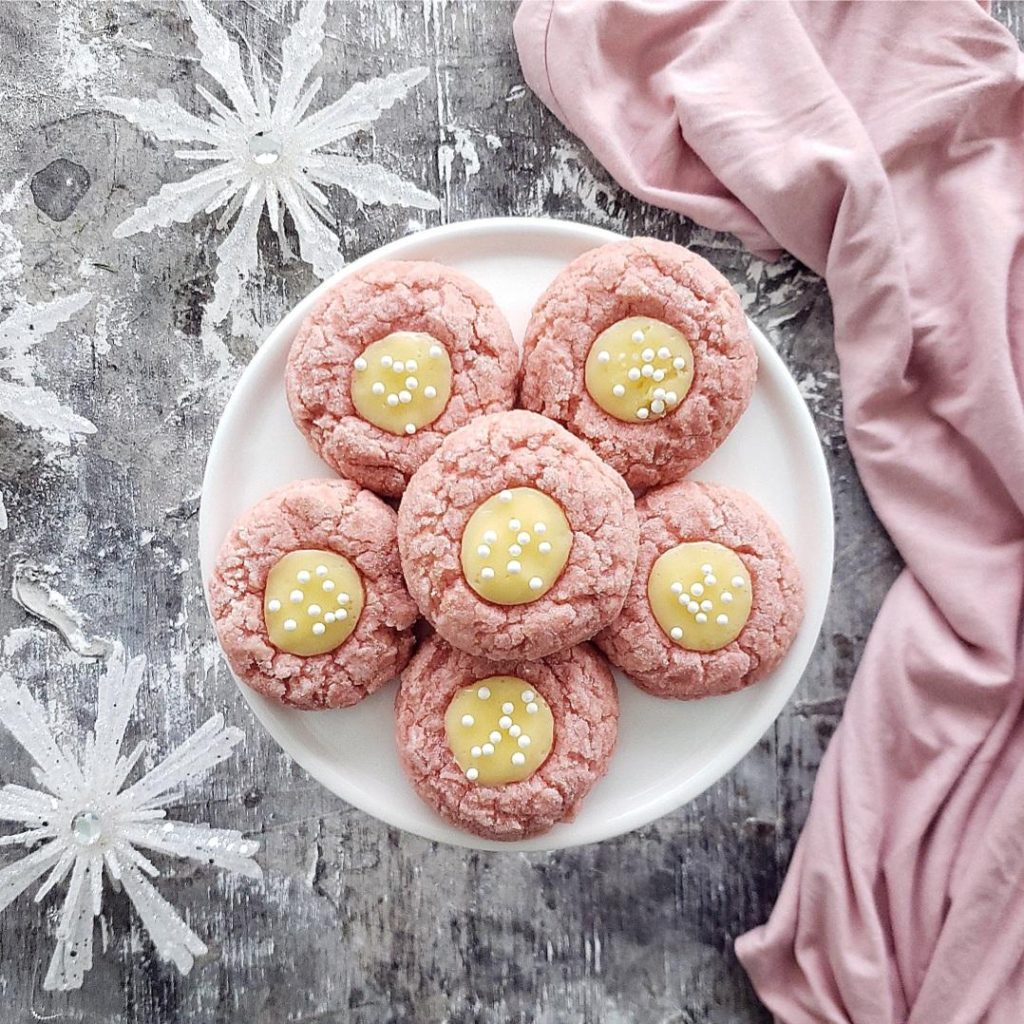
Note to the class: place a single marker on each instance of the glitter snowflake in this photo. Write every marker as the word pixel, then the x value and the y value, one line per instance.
pixel 266 152
pixel 84 822
pixel 21 399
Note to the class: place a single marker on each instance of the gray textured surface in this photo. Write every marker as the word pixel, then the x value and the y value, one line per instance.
pixel 354 921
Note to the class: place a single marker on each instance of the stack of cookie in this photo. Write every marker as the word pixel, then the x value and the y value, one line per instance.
pixel 520 562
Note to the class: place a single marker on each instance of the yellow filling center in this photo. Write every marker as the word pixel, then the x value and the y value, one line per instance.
pixel 515 546
pixel 639 369
pixel 700 594
pixel 499 730
pixel 312 602
pixel 402 382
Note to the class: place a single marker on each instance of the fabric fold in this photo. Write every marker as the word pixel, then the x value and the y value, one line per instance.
pixel 883 146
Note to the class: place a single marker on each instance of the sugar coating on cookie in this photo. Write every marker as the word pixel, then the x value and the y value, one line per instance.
pixel 499 730
pixel 307 595
pixel 515 546
pixel 391 360
pixel 518 789
pixel 641 349
pixel 716 599
pixel 508 452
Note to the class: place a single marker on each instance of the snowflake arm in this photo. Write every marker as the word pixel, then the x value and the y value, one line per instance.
pixel 369 183
pixel 237 257
pixel 300 53
pixel 164 118
pixel 178 202
pixel 220 59
pixel 40 409
pixel 27 325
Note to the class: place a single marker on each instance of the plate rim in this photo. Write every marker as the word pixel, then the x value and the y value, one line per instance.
pixel 652 808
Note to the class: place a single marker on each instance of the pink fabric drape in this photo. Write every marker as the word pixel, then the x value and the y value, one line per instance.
pixel 882 145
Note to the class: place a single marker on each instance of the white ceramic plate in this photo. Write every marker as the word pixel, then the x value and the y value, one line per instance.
pixel 668 752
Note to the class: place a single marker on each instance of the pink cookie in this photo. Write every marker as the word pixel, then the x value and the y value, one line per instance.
pixel 367 306
pixel 328 515
pixel 578 687
pixel 641 278
pixel 691 511
pixel 492 455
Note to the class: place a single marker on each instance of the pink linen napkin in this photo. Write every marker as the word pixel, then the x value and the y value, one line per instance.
pixel 882 145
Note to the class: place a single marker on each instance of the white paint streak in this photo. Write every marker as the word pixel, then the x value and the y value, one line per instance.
pixel 41 600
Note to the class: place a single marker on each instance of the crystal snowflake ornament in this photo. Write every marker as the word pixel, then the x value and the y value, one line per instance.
pixel 267 152
pixel 85 822
pixel 21 399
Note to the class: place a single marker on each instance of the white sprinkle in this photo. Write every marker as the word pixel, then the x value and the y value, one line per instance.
pixel 523 538
pixel 495 737
pixel 475 751
pixel 706 606
pixel 483 551
pixel 472 774
pixel 679 363
pixel 706 567
pixel 505 496
pixel 722 620
pixel 274 606
pixel 638 336
pixel 483 693
pixel 696 589
pixel 692 607
pixel 377 388
pixel 343 598
pixel 329 617
pixel 410 428
pixel 514 524
pixel 515 550
pixel 392 400
pixel 468 720
pixel 386 360
pixel 657 406
pixel 412 383
pixel 526 696
pixel 659 392
pixel 360 364
pixel 435 351
pixel 488 749
pixel 618 390
pixel 505 722
pixel 514 730
pixel 313 609
pixel 490 537
pixel 684 599
pixel 664 352
pixel 430 391
pixel 341 615
pixel 603 357
pixel 658 375
pixel 643 412
pixel 404 397
pixel 321 570
pixel 726 597
pixel 647 371
pixel 532 708
pixel 524 741
pixel 677 633
pixel 513 568
pixel 318 629
pixel 289 625
pixel 296 597
pixel 739 582
pixel 671 397
pixel 676 588
pixel 701 618
pixel 540 527
pixel 633 373
pixel 544 547
pixel 647 355
pixel 710 580
pixel 303 576
pixel 487 573
pixel 508 707
pixel 399 366
pixel 411 365
pixel 536 583
pixel 518 758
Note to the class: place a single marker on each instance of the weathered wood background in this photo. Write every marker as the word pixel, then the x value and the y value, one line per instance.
pixel 354 922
